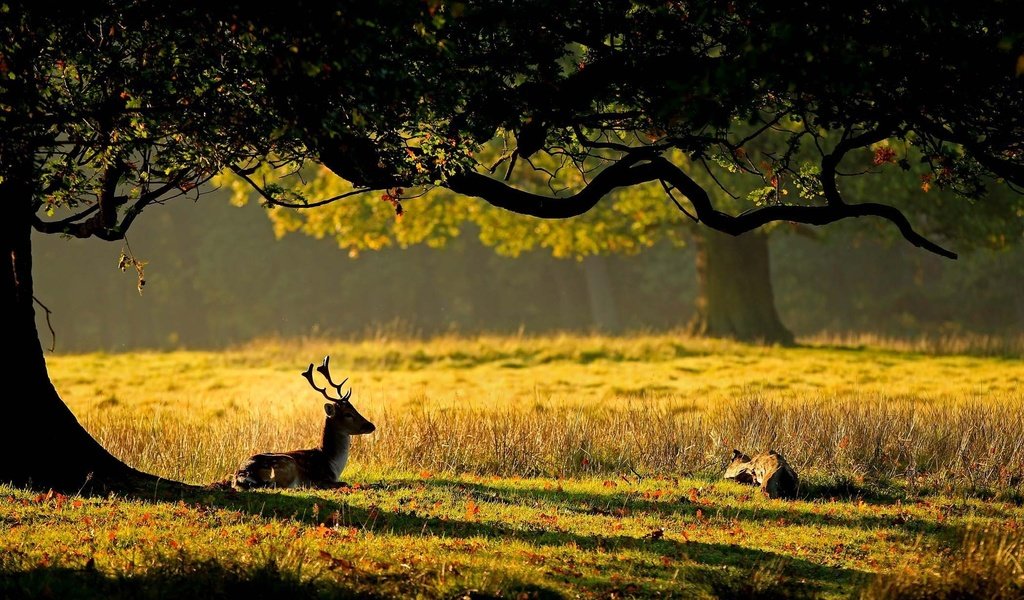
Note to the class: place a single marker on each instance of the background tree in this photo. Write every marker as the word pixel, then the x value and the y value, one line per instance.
pixel 109 110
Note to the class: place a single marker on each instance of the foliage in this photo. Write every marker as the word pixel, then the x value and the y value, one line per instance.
pixel 126 106
pixel 110 109
pixel 658 91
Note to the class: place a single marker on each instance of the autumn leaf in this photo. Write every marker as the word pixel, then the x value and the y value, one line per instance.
pixel 472 510
pixel 884 155
pixel 336 563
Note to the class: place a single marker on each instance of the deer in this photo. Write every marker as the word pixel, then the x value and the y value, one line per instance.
pixel 317 467
pixel 769 470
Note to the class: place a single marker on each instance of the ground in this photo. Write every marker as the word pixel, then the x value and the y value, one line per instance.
pixel 560 466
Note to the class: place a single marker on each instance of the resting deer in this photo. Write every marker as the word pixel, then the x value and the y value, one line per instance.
pixel 769 470
pixel 318 467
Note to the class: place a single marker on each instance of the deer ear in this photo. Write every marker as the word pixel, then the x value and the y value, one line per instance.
pixel 329 408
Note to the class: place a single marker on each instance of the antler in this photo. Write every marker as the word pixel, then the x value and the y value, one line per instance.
pixel 325 370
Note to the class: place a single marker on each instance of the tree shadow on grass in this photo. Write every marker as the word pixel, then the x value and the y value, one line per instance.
pixel 785 513
pixel 335 509
pixel 690 563
pixel 177 579
pixel 698 563
pixel 181 576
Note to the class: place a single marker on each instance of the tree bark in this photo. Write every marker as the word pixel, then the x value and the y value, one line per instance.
pixel 44 446
pixel 734 296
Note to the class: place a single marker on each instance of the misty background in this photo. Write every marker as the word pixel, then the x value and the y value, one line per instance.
pixel 215 276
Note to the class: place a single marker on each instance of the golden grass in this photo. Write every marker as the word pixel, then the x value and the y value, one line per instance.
pixel 565 405
pixel 561 466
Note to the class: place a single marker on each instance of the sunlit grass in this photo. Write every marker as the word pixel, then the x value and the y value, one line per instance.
pixel 564 405
pixel 405 534
pixel 569 465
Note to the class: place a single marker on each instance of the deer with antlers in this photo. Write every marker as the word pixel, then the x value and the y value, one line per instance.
pixel 318 467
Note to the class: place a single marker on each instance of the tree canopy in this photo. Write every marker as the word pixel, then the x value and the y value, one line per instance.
pixel 122 106
pixel 615 91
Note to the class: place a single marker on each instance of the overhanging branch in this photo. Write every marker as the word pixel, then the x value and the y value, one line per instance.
pixel 642 168
pixel 497 193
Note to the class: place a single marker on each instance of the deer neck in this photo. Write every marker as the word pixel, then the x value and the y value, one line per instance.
pixel 335 446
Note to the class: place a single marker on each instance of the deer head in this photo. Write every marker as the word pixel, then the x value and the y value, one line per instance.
pixel 341 415
pixel 739 468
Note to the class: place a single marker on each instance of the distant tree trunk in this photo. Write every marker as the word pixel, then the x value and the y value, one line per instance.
pixel 603 309
pixel 561 273
pixel 734 296
pixel 43 443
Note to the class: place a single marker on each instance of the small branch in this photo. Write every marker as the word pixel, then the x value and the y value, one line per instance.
pixel 767 125
pixel 53 334
pixel 711 173
pixel 58 226
pixel 244 174
pixel 683 210
pixel 830 162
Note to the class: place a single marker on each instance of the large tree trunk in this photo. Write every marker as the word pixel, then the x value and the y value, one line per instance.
pixel 734 297
pixel 43 444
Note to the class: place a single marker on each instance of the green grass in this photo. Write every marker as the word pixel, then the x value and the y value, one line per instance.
pixel 402 534
pixel 557 466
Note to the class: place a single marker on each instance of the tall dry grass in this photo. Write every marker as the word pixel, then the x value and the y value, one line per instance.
pixel 974 441
pixel 969 344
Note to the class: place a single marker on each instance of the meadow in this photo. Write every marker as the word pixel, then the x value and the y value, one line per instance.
pixel 576 466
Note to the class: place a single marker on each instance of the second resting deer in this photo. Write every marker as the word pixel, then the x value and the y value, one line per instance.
pixel 770 470
pixel 317 467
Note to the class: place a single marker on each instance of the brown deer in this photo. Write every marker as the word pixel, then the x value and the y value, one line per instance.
pixel 318 467
pixel 769 470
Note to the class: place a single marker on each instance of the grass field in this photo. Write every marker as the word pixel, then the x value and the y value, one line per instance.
pixel 556 466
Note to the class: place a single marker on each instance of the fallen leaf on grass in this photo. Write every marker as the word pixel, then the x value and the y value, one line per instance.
pixel 472 510
pixel 336 563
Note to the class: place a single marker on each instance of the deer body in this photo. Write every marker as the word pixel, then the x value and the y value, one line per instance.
pixel 316 467
pixel 769 470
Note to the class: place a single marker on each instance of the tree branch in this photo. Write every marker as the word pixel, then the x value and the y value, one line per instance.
pixel 830 162
pixel 53 334
pixel 60 226
pixel 244 174
pixel 629 171
pixel 497 193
